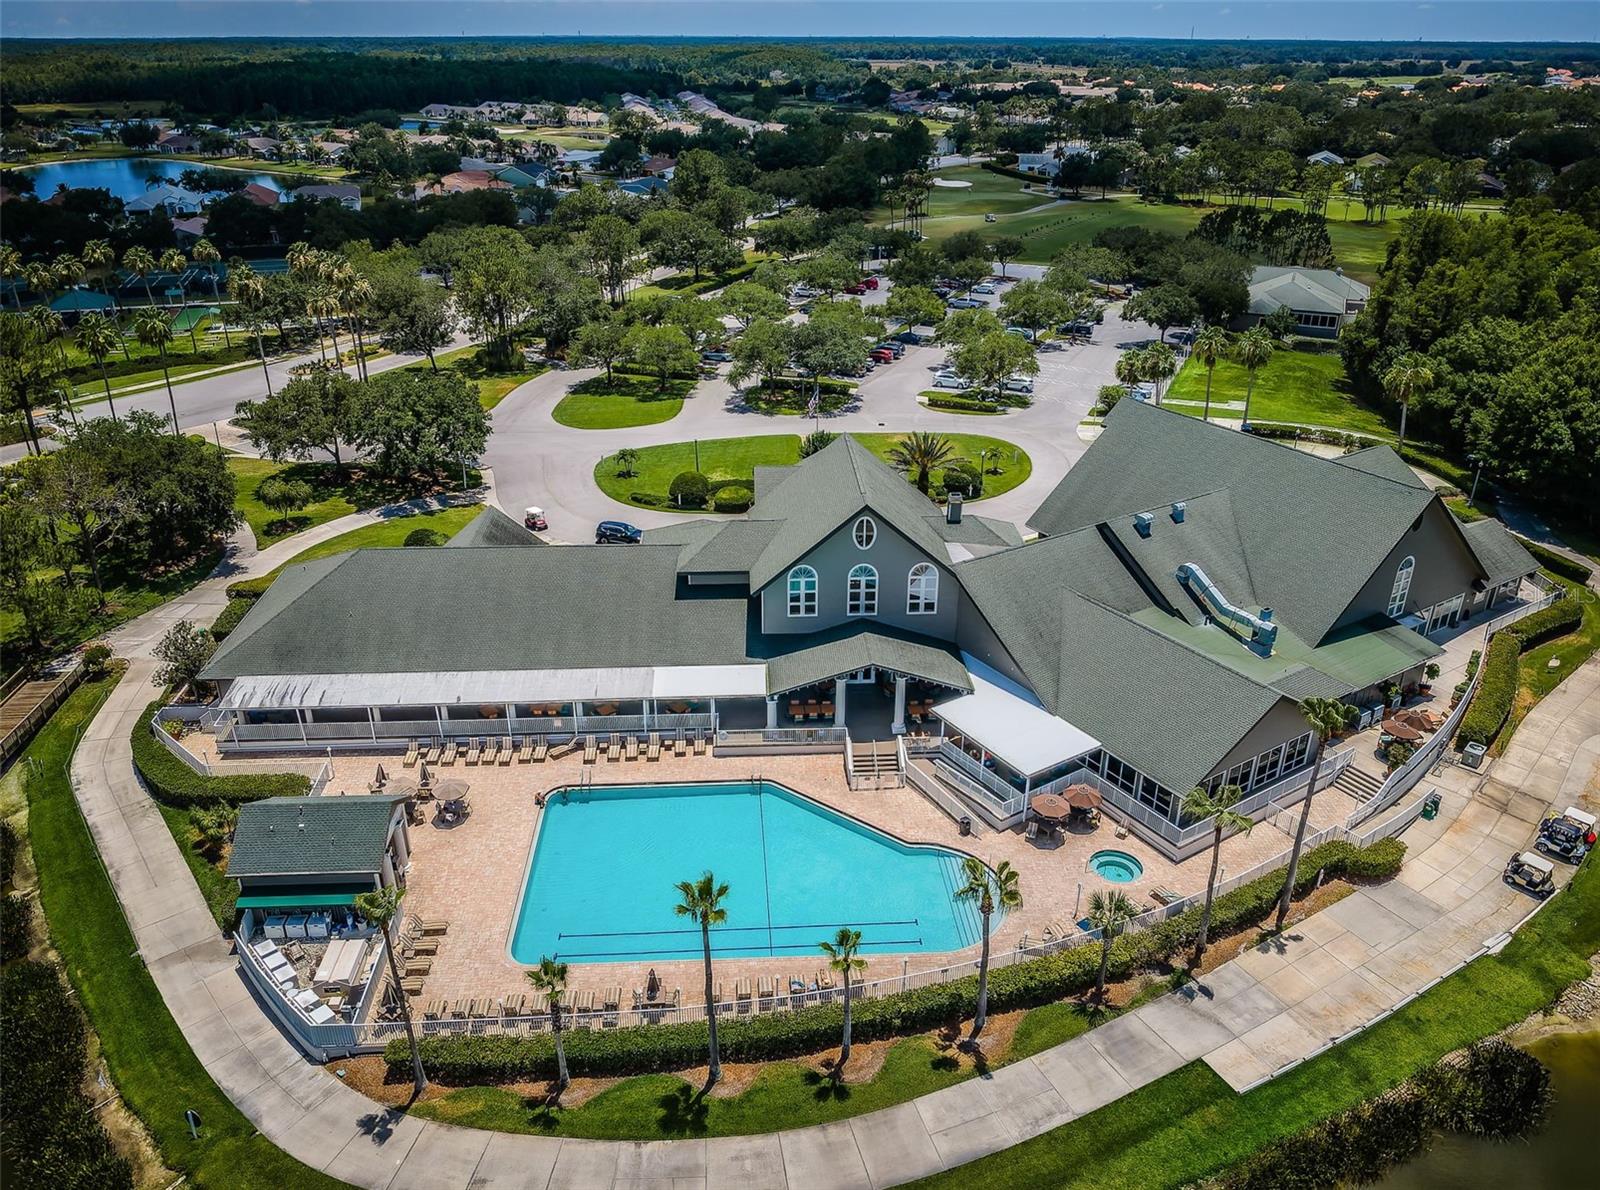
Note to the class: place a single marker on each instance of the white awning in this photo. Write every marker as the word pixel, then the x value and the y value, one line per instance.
pixel 498 686
pixel 1007 719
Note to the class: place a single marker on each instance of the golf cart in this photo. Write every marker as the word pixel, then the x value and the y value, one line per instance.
pixel 533 520
pixel 1569 835
pixel 1533 873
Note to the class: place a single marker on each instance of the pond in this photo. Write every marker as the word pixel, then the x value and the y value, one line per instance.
pixel 126 177
pixel 1560 1155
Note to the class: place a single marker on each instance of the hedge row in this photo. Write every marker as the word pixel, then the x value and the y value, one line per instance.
pixel 52 1136
pixel 251 588
pixel 1569 568
pixel 1020 174
pixel 230 617
pixel 803 385
pixel 8 851
pixel 463 1061
pixel 16 922
pixel 176 784
pixel 1494 1090
pixel 964 404
pixel 1497 689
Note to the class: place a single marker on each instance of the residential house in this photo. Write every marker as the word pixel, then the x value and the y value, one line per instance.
pixel 1192 584
pixel 189 229
pixel 1324 157
pixel 470 179
pixel 175 200
pixel 644 187
pixel 1323 300
pixel 177 142
pixel 348 194
pixel 1048 163
pixel 658 166
pixel 528 174
pixel 266 147
pixel 262 196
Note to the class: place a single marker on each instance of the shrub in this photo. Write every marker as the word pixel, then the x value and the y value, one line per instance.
pixel 1048 978
pixel 95 660
pixel 175 783
pixel 689 489
pixel 230 617
pixel 964 404
pixel 1566 567
pixel 424 537
pixel 961 475
pixel 16 920
pixel 8 851
pixel 647 499
pixel 1560 618
pixel 1495 1090
pixel 733 499
pixel 1378 861
pixel 1497 688
pixel 1397 753
pixel 250 588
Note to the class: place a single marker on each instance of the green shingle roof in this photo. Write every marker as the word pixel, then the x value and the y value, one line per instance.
pixel 1315 529
pixel 311 836
pixel 493 527
pixel 1500 554
pixel 853 646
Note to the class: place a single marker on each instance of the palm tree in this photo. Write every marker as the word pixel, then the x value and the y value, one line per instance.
pixel 1160 364
pixel 1210 345
pixel 1130 367
pixel 842 958
pixel 41 279
pixel 550 977
pixel 10 270
pixel 99 257
pixel 381 908
pixel 51 326
pixel 69 270
pixel 355 293
pixel 1110 913
pixel 921 451
pixel 1408 377
pixel 322 304
pixel 702 901
pixel 141 264
pixel 1202 804
pixel 205 252
pixel 250 292
pixel 1253 349
pixel 153 330
pixel 1327 717
pixel 989 890
pixel 301 257
pixel 97 338
pixel 172 261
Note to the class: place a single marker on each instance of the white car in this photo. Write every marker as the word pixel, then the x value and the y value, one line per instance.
pixel 983 287
pixel 1019 384
pixel 950 380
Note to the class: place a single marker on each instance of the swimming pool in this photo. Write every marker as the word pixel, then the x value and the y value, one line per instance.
pixel 601 883
pixel 1116 866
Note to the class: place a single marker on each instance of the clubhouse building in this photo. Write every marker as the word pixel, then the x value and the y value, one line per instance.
pixel 1188 585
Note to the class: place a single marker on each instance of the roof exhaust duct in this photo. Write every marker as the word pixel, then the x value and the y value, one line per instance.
pixel 1142 523
pixel 1263 632
pixel 1179 508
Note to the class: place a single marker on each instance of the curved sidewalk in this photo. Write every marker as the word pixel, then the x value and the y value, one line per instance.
pixel 1336 971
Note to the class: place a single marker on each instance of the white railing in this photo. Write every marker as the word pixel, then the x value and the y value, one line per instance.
pixel 393 731
pixel 831 739
pixel 996 790
pixel 999 813
pixel 322 1042
pixel 938 793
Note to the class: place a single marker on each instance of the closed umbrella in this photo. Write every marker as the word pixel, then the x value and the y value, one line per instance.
pixel 381 776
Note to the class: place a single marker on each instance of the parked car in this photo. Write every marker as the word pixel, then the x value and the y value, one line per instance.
pixel 803 291
pixel 911 338
pixel 950 380
pixel 983 287
pixel 943 291
pixel 533 520
pixel 617 533
pixel 856 290
pixel 960 303
pixel 1569 835
pixel 1532 872
pixel 898 348
pixel 881 355
pixel 870 282
pixel 1077 329
pixel 1021 330
pixel 1019 384
pixel 716 357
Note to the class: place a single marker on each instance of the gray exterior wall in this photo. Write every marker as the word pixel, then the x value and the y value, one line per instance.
pixel 1282 723
pixel 893 556
pixel 1444 568
pixel 974 636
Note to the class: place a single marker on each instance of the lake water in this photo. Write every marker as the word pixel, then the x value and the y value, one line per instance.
pixel 125 177
pixel 1561 1156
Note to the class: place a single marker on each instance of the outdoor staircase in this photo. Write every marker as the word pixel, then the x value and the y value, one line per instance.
pixel 875 764
pixel 1361 786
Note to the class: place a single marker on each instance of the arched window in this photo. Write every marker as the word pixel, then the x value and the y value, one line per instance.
pixel 865 533
pixel 1402 587
pixel 863 591
pixel 802 591
pixel 922 590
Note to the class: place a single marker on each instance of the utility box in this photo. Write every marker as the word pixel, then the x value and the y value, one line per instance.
pixel 1472 755
pixel 1430 807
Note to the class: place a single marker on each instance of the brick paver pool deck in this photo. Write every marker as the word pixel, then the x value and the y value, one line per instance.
pixel 1270 1007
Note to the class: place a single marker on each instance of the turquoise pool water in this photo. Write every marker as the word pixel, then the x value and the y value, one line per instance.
pixel 1116 866
pixel 601 884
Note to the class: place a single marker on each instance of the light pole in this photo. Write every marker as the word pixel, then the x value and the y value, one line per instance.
pixel 1472 499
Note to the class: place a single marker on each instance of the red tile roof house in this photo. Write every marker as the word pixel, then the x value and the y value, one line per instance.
pixel 470 179
pixel 658 166
pixel 262 196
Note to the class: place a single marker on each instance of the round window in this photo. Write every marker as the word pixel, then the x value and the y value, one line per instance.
pixel 866 532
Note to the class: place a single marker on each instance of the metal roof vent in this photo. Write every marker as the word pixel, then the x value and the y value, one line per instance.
pixel 1142 523
pixel 1178 509
pixel 952 512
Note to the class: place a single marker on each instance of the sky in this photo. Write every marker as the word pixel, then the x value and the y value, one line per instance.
pixel 1397 20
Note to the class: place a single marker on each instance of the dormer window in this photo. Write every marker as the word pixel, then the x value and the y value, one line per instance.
pixel 865 532
pixel 862 594
pixel 802 591
pixel 1402 587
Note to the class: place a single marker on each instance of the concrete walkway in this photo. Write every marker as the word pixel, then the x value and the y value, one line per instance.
pixel 1336 971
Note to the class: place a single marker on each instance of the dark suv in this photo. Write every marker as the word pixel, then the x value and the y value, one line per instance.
pixel 617 533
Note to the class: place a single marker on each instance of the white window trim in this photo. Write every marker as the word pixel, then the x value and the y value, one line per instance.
pixel 862 601
pixel 1400 590
pixel 922 590
pixel 805 596
pixel 866 527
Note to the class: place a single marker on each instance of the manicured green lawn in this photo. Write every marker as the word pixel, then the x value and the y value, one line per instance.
pixel 220 892
pixel 988 193
pixel 152 1065
pixel 493 386
pixel 1190 1124
pixel 601 404
pixel 378 535
pixel 680 284
pixel 725 460
pixel 332 497
pixel 1303 387
pixel 1535 678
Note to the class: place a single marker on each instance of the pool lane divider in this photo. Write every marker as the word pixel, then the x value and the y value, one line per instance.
pixel 723 931
pixel 766 873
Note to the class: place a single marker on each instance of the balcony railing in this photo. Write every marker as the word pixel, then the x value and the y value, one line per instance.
pixel 231 731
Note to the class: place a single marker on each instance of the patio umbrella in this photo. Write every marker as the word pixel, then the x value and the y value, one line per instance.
pixel 449 791
pixel 400 789
pixel 1402 731
pixel 1082 797
pixel 1049 805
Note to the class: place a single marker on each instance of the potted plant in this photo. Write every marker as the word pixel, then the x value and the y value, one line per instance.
pixel 1396 754
pixel 1391 695
pixel 1429 673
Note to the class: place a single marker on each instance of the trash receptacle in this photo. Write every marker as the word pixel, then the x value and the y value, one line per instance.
pixel 1430 806
pixel 1472 755
pixel 966 825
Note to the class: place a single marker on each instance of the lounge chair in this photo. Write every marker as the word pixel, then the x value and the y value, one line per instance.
pixel 525 749
pixel 1032 832
pixel 699 743
pixel 653 751
pixel 410 760
pixel 591 750
pixel 432 755
pixel 419 966
pixel 580 1005
pixel 449 755
pixel 480 1007
pixel 513 1005
pixel 507 750
pixel 630 747
pixel 416 946
pixel 435 1010
pixel 411 985
pixel 742 993
pixel 766 989
pixel 474 750
pixel 541 749
pixel 1165 896
pixel 680 743
pixel 614 747
pixel 427 925
pixel 538 1004
pixel 459 1009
